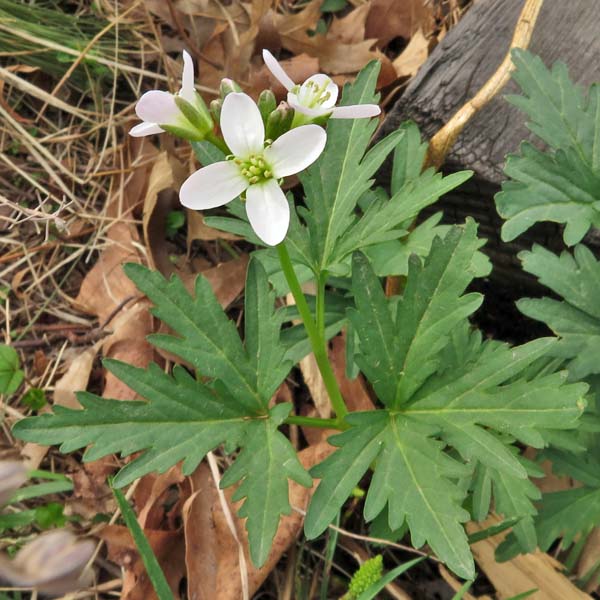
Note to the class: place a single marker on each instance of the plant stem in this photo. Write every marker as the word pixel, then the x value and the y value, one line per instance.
pixel 218 142
pixel 320 309
pixel 313 422
pixel 317 341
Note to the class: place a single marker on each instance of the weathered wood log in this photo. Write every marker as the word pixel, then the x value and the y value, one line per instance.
pixel 568 31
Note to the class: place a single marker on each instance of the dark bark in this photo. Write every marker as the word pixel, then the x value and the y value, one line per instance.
pixel 568 31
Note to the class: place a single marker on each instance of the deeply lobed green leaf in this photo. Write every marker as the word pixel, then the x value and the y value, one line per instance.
pixel 576 318
pixel 463 404
pixel 563 183
pixel 393 347
pixel 182 418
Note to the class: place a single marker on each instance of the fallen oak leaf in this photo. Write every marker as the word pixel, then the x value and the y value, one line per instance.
pixel 227 279
pixel 198 230
pixel 76 377
pixel 524 572
pixel 413 56
pixel 220 578
pixel 350 29
pixel 149 496
pixel 166 176
pixel 128 343
pixel 168 547
pixel 105 286
pixel 389 19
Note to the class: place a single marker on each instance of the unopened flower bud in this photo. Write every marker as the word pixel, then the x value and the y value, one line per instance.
pixel 279 121
pixel 227 86
pixel 215 109
pixel 266 104
pixel 197 121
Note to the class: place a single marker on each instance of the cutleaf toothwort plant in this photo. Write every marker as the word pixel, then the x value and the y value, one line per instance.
pixel 451 410
pixel 561 183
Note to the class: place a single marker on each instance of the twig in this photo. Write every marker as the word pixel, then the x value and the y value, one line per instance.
pixel 442 142
pixel 7 258
pixel 372 540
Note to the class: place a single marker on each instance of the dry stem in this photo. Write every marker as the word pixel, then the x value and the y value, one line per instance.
pixel 442 142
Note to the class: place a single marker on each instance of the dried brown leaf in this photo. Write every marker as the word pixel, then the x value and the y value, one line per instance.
pixel 413 56
pixel 350 29
pixel 227 279
pixel 76 377
pixel 106 285
pixel 168 547
pixel 524 572
pixel 150 495
pixel 213 569
pixel 128 343
pixel 91 494
pixel 389 19
pixel 166 176
pixel 588 559
pixel 198 230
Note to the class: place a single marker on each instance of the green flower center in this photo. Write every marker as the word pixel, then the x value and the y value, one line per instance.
pixel 312 95
pixel 254 168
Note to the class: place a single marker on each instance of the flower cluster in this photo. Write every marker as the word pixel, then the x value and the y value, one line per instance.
pixel 255 164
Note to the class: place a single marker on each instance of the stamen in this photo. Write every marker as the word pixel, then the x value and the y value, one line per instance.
pixel 254 168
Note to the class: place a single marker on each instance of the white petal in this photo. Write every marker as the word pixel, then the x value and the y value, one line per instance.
pixel 212 186
pixel 357 111
pixel 277 70
pixel 241 125
pixel 188 91
pixel 268 211
pixel 142 129
pixel 295 150
pixel 295 103
pixel 158 107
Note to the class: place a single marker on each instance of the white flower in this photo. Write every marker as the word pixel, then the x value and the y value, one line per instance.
pixel 183 113
pixel 317 96
pixel 254 167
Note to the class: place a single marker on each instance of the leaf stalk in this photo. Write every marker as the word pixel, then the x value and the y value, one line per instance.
pixel 316 338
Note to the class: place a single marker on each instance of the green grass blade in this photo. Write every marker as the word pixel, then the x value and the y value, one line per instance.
pixel 464 588
pixel 157 577
pixel 42 489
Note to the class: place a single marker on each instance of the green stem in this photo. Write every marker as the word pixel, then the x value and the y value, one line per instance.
pixel 320 309
pixel 312 422
pixel 317 342
pixel 218 142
